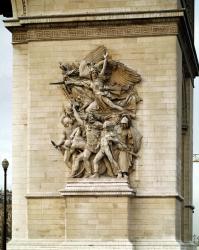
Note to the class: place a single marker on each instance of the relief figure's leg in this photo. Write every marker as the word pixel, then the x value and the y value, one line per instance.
pixel 67 155
pixel 96 161
pixel 111 159
pixel 111 104
pixel 123 161
pixel 93 106
pixel 80 144
pixel 86 155
pixel 76 164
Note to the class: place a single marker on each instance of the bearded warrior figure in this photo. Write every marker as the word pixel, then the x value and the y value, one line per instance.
pixel 99 133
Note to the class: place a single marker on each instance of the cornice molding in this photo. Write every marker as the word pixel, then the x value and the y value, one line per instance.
pixel 78 26
pixel 38 195
pixel 92 16
pixel 51 195
pixel 188 50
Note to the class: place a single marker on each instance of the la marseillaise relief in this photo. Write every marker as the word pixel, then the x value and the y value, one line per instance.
pixel 99 135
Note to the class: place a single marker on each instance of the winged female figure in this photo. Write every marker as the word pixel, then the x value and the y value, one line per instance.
pixel 100 91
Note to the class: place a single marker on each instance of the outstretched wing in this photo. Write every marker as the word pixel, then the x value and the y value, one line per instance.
pixel 122 75
pixel 93 58
pixel 96 55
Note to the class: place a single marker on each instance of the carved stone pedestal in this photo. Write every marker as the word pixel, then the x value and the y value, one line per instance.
pixel 97 211
pixel 97 187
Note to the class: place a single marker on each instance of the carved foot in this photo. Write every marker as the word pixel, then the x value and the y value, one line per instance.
pixel 119 175
pixel 125 177
pixel 87 175
pixel 72 175
pixel 95 175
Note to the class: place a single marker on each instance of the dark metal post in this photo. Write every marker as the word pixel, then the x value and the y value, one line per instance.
pixel 5 164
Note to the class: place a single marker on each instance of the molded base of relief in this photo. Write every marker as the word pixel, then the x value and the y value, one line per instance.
pixel 98 187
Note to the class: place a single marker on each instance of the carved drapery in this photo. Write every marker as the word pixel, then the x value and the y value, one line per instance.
pixel 99 135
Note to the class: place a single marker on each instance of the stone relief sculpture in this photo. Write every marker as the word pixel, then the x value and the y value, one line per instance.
pixel 99 137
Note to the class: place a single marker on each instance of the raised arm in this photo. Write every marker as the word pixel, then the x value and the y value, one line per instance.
pixel 117 141
pixel 104 65
pixel 77 117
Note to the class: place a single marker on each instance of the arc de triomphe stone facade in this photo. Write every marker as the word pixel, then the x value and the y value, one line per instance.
pixel 102 124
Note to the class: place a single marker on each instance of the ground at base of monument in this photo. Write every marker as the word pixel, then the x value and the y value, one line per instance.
pixel 99 245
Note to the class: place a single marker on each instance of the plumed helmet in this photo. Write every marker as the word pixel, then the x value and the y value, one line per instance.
pixel 124 120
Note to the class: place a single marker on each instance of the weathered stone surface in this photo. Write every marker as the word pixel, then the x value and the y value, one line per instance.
pixel 159 215
pixel 99 137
